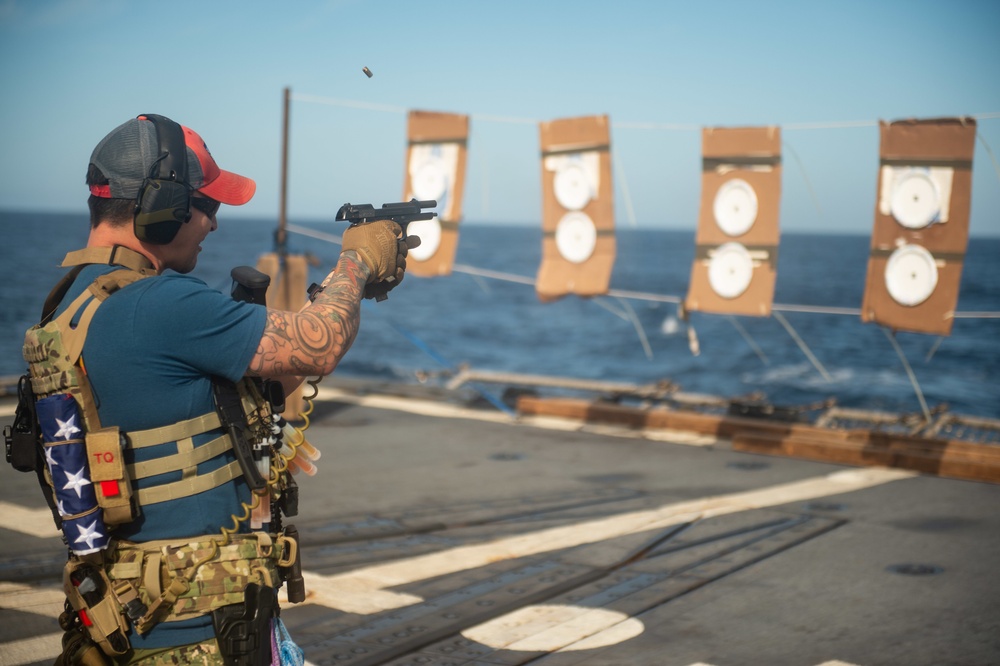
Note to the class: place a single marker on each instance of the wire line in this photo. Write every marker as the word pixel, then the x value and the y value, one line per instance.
pixel 672 127
pixel 909 373
pixel 637 295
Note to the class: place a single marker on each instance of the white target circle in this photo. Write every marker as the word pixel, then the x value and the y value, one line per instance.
pixel 576 237
pixel 910 275
pixel 916 199
pixel 429 233
pixel 429 181
pixel 735 207
pixel 572 186
pixel 730 270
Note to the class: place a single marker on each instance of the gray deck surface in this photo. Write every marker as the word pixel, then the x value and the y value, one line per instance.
pixel 447 539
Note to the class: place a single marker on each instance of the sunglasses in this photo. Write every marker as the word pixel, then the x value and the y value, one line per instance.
pixel 207 206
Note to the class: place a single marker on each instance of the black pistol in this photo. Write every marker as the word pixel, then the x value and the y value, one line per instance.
pixel 402 213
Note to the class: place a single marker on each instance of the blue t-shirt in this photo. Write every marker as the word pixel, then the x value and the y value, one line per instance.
pixel 150 353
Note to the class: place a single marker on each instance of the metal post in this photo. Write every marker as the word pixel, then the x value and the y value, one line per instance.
pixel 281 236
pixel 288 272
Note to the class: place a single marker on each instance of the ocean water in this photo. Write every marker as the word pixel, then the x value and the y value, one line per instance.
pixel 436 325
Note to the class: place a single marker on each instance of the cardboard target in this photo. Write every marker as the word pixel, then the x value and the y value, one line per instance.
pixel 736 245
pixel 578 229
pixel 435 169
pixel 921 227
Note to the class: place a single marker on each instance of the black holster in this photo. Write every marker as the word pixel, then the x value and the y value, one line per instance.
pixel 244 630
pixel 229 405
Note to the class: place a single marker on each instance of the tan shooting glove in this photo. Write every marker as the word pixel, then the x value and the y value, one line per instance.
pixel 380 245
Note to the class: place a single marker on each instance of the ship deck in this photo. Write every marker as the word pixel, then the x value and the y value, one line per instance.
pixel 442 532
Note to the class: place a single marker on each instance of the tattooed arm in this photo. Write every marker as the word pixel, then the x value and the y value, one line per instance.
pixel 312 341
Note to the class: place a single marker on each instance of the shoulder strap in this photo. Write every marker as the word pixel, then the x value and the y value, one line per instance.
pixel 117 255
pixel 78 259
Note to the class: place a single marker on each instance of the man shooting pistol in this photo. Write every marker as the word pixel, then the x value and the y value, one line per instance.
pixel 401 213
pixel 189 382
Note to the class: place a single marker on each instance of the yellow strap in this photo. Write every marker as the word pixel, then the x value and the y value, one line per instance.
pixel 188 487
pixel 151 575
pixel 178 461
pixel 288 549
pixel 117 255
pixel 80 515
pixel 162 605
pixel 140 439
pixel 185 447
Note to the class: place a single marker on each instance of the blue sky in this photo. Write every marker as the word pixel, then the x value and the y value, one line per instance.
pixel 73 70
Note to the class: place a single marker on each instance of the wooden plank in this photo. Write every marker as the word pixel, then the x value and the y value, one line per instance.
pixel 951 459
pixel 942 457
pixel 657 417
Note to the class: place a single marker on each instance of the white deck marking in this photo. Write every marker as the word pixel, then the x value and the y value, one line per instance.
pixel 33 522
pixel 563 628
pixel 367 590
pixel 553 627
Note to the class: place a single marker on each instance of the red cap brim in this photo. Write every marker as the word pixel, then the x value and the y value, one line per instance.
pixel 223 186
pixel 230 188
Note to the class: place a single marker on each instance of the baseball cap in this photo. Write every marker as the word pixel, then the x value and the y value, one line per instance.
pixel 126 155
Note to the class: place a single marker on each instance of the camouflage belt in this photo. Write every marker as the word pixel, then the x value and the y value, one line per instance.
pixel 155 567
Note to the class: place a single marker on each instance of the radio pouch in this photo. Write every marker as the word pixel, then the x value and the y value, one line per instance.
pixel 22 435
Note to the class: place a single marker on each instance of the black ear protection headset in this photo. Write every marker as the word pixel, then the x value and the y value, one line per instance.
pixel 164 200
